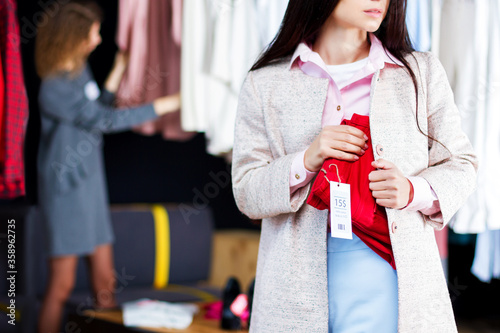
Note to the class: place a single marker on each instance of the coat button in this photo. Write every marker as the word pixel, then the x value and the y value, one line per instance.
pixel 339 108
pixel 380 150
pixel 394 227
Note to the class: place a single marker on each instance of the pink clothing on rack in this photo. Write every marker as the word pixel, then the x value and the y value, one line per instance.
pixel 177 21
pixel 353 96
pixel 151 32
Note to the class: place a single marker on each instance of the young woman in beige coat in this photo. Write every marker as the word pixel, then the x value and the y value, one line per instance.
pixel 330 60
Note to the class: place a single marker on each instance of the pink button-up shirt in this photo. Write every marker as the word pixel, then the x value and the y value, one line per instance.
pixel 346 98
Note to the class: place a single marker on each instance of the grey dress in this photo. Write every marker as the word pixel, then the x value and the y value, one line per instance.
pixel 72 190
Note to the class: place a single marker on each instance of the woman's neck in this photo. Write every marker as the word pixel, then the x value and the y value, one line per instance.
pixel 337 45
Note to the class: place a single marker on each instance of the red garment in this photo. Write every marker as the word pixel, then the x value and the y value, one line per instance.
pixel 2 111
pixel 369 220
pixel 15 103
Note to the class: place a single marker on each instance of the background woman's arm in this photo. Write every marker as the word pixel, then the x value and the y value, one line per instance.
pixel 64 100
pixel 115 76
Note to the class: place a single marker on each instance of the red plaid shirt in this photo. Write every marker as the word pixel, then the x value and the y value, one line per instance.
pixel 15 104
pixel 2 111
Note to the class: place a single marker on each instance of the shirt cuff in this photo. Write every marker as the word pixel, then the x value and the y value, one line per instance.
pixel 424 198
pixel 299 175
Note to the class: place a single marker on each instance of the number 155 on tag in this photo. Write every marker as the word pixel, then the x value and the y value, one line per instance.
pixel 340 206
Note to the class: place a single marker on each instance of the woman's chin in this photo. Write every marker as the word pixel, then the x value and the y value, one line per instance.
pixel 372 27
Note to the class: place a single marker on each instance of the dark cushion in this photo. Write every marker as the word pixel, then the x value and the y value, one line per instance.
pixel 190 245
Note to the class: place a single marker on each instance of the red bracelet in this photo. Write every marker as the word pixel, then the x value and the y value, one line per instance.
pixel 410 198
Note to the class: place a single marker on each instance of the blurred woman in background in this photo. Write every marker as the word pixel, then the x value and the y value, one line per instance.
pixel 71 180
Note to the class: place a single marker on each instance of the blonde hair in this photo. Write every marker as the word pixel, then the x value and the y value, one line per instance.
pixel 60 38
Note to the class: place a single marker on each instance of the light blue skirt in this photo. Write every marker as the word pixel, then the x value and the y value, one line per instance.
pixel 362 289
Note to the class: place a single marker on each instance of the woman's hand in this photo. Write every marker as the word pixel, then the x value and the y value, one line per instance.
pixel 121 61
pixel 388 185
pixel 341 142
pixel 115 76
pixel 167 104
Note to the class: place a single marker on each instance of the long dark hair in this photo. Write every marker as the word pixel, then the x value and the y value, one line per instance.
pixel 303 21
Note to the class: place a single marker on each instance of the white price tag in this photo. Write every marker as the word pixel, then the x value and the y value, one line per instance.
pixel 340 210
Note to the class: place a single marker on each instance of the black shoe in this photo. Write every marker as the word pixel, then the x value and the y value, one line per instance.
pixel 229 320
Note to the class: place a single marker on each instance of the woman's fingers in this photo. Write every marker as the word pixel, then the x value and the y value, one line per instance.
pixel 343 138
pixel 342 155
pixel 345 133
pixel 341 142
pixel 347 129
pixel 389 186
pixel 383 164
pixel 389 203
pixel 381 175
pixel 391 198
pixel 348 146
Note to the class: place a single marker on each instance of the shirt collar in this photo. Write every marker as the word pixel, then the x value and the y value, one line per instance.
pixel 378 55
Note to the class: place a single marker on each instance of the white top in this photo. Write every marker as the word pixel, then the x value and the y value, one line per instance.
pixel 342 73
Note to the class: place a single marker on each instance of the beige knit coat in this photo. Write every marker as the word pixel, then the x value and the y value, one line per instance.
pixel 279 115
